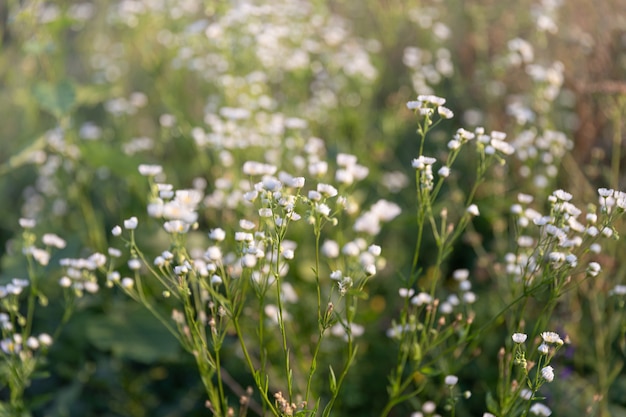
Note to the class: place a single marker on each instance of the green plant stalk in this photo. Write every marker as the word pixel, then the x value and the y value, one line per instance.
pixel 318 344
pixel 352 352
pixel 263 388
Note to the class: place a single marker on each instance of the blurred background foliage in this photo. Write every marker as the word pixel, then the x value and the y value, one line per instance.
pixel 89 90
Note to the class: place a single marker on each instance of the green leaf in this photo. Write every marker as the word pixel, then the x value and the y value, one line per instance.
pixel 98 154
pixel 429 371
pixel 133 333
pixel 58 99
pixel 92 94
pixel 23 156
pixel 332 380
pixel 492 405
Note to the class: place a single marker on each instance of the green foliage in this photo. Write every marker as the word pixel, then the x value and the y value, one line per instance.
pixel 226 208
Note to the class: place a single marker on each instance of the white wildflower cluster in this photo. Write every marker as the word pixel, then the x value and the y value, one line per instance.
pixel 178 208
pixel 42 255
pixel 553 244
pixel 230 193
pixel 16 344
pixel 382 211
pixel 52 164
pixel 232 128
pixel 540 409
pixel 520 52
pixel 361 262
pixel 424 166
pixel 427 105
pixel 452 303
pixel 278 39
pixel 81 273
pixel 611 200
pixel 490 145
pixel 349 170
pixel 540 155
pixel 429 409
pixel 123 106
pixel 13 287
pixel 545 15
pixel 340 330
pixel 494 142
pixel 430 62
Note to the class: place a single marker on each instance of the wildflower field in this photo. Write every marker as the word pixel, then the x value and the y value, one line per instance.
pixel 385 208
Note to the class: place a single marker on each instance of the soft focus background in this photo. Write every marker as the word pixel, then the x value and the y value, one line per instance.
pixel 90 90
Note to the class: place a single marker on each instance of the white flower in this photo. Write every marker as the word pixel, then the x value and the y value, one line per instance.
pixel 460 274
pixel 330 249
pixel 314 195
pixel 593 269
pixel 258 168
pixel 543 349
pixel 595 248
pixel 217 234
pixel 128 283
pixel 547 373
pixel 113 276
pixel 213 253
pixel 27 223
pixel 246 224
pixel 91 287
pixel 150 170
pixel 134 264
pixel 248 261
pixel 562 195
pixel 618 290
pixel 541 410
pixel 346 160
pixel 432 99
pixel 406 292
pixel 444 171
pixel 519 337
pixel 32 343
pixel 244 237
pixel 412 105
pixel 451 380
pixel 551 337
pixel 326 190
pixel 323 209
pixel 445 112
pixel 50 239
pixel 421 298
pixel 469 297
pixel 422 161
pixel 131 224
pixel 116 231
pixel 176 226
pixel 385 210
pixel 473 210
pixel 45 339
pixel 351 249
pixel 429 407
pixel 374 250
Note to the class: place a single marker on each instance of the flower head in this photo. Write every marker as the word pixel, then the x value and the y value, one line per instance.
pixel 552 337
pixel 547 373
pixel 519 337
